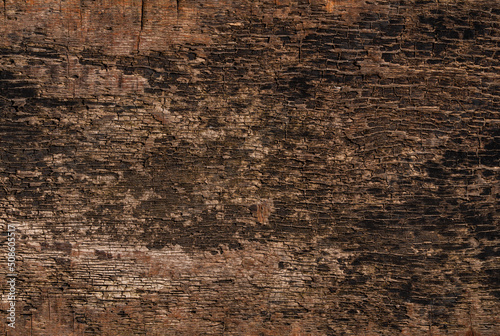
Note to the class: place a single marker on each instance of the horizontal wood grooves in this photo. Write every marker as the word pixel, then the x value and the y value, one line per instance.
pixel 252 167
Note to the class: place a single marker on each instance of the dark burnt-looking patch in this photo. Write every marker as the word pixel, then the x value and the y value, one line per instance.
pixel 63 246
pixel 13 86
pixel 103 255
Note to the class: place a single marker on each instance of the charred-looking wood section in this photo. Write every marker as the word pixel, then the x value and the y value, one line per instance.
pixel 260 167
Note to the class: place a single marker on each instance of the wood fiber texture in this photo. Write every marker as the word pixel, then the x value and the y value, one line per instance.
pixel 266 167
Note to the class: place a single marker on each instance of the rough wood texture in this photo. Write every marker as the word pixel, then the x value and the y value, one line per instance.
pixel 267 167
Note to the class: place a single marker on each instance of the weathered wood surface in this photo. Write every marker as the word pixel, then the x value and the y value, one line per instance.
pixel 282 167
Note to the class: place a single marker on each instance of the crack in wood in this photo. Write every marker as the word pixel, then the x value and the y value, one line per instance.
pixel 143 2
pixel 142 16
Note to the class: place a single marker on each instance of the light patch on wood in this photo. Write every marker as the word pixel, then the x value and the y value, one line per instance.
pixel 263 211
pixel 349 10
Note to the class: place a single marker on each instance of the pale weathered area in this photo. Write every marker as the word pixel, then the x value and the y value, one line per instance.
pixel 261 167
